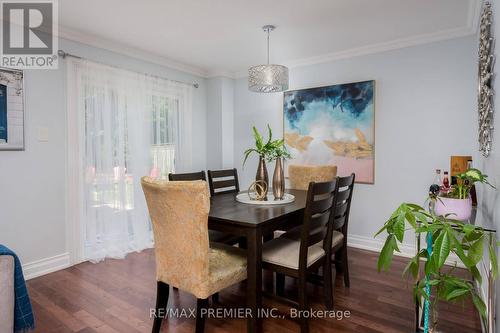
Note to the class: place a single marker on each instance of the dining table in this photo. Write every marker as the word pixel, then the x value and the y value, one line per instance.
pixel 253 221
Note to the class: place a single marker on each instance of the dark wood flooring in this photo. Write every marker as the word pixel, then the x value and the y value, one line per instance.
pixel 116 296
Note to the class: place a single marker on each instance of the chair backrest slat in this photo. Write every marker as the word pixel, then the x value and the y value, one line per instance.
pixel 320 220
pixel 224 185
pixel 222 173
pixel 343 195
pixel 341 210
pixel 187 176
pixel 338 222
pixel 347 181
pixel 321 205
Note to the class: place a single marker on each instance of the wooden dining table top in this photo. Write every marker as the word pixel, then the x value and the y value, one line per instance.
pixel 225 208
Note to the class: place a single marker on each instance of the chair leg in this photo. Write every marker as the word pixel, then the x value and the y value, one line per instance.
pixel 162 291
pixel 242 243
pixel 280 284
pixel 345 267
pixel 215 298
pixel 327 282
pixel 200 317
pixel 304 321
pixel 337 258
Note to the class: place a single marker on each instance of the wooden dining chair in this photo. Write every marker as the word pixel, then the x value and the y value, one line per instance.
pixel 214 236
pixel 301 258
pixel 179 214
pixel 342 207
pixel 223 181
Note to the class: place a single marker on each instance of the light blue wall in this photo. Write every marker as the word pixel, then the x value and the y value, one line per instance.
pixel 32 182
pixel 425 111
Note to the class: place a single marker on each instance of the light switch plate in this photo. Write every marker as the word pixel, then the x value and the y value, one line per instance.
pixel 43 134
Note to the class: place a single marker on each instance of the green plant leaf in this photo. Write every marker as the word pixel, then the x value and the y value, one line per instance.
pixel 385 257
pixel 468 229
pixel 258 139
pixel 247 154
pixel 493 259
pixel 270 134
pixel 441 249
pixel 399 227
pixel 476 274
pixel 475 253
pixel 456 293
pixel 479 304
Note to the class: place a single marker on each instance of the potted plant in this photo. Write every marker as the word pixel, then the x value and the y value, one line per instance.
pixel 444 237
pixel 457 201
pixel 268 151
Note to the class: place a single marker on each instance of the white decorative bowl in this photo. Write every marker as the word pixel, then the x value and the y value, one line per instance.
pixel 243 197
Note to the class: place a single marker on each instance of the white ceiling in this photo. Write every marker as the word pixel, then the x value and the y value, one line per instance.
pixel 224 37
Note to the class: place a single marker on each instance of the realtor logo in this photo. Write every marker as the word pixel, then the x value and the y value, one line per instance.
pixel 29 34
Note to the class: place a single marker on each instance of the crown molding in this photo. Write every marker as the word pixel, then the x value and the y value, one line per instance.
pixel 376 48
pixel 475 7
pixel 220 73
pixel 133 52
pixel 470 28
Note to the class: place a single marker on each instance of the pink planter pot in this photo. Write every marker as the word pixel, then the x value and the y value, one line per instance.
pixel 461 209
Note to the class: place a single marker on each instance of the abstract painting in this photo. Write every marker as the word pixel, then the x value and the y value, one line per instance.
pixel 333 125
pixel 11 109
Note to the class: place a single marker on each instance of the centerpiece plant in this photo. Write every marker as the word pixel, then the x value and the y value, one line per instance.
pixel 456 200
pixel 270 150
pixel 447 236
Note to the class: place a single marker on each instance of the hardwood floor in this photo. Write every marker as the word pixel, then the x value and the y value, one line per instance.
pixel 116 296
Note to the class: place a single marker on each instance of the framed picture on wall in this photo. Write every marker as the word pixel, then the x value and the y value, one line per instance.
pixel 333 125
pixel 11 109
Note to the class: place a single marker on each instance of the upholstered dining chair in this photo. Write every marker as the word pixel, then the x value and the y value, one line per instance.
pixel 302 258
pixel 179 214
pixel 213 235
pixel 342 208
pixel 300 176
pixel 223 181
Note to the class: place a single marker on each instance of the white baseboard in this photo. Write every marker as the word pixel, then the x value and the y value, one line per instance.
pixel 407 250
pixel 46 265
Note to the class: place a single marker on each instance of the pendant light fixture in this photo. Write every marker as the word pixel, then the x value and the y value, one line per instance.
pixel 270 77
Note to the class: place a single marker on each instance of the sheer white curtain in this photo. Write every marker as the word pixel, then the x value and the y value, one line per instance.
pixel 123 125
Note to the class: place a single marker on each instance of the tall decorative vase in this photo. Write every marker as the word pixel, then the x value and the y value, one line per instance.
pixel 278 180
pixel 262 176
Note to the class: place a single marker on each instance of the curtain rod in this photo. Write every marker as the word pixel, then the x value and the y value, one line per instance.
pixel 63 55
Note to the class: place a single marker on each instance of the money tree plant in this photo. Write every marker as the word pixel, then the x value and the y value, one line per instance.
pixel 447 237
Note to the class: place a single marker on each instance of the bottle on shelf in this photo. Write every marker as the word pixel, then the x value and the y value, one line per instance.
pixel 473 193
pixel 446 182
pixel 437 178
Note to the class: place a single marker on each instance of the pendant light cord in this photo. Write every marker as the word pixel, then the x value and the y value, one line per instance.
pixel 268 32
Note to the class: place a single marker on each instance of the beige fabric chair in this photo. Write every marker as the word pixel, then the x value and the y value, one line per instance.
pixel 301 175
pixel 7 294
pixel 179 214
